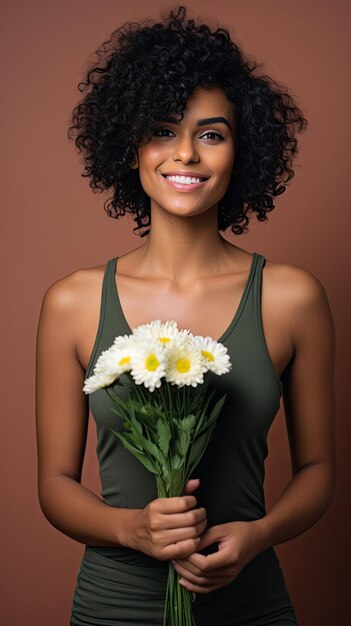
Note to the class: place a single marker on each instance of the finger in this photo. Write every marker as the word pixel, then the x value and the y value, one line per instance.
pixel 201 563
pixel 180 534
pixel 179 549
pixel 176 504
pixel 188 574
pixel 187 584
pixel 194 517
pixel 191 485
pixel 187 566
pixel 212 535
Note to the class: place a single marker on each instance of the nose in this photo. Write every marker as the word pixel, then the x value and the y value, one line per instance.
pixel 185 150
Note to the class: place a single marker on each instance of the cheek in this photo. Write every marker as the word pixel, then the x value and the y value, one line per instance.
pixel 149 162
pixel 227 169
pixel 220 183
pixel 152 155
pixel 228 158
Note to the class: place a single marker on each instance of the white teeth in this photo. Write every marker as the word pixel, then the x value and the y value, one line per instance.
pixel 187 180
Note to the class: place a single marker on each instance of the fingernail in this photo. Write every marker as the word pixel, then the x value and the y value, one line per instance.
pixel 182 582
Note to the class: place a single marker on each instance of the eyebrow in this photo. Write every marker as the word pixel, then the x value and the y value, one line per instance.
pixel 204 122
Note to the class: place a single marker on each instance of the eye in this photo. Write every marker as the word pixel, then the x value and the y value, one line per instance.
pixel 158 130
pixel 215 134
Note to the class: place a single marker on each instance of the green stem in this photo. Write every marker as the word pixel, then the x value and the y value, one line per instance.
pixel 179 601
pixel 177 609
pixel 168 387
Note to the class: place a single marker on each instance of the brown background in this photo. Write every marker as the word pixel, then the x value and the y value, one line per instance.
pixel 52 224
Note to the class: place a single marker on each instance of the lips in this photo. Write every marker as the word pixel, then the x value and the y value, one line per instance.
pixel 189 174
pixel 183 187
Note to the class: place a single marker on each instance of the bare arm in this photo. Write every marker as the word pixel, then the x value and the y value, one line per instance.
pixel 309 402
pixel 62 420
pixel 162 529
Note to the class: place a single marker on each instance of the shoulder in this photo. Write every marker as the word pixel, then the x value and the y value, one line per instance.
pixel 299 293
pixel 296 284
pixel 75 290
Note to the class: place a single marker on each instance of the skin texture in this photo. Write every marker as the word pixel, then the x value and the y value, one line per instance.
pixel 186 271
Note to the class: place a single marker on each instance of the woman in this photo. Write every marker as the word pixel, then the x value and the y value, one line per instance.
pixel 170 100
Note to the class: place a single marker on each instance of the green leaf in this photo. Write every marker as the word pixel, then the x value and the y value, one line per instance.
pixel 203 436
pixel 182 443
pixel 164 436
pixel 187 423
pixel 198 446
pixel 165 473
pixel 124 438
pixel 147 463
pixel 152 449
pixel 141 456
pixel 146 414
pixel 118 400
pixel 135 404
pixel 135 439
pixel 119 412
pixel 147 422
pixel 210 422
pixel 218 407
pixel 177 462
pixel 200 435
pixel 136 424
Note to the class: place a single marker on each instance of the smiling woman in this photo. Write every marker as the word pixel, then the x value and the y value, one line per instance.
pixel 189 140
pixel 201 137
pixel 146 74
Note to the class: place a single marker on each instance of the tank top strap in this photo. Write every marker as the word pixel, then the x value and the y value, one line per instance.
pixel 110 287
pixel 257 313
pixel 257 292
pixel 104 334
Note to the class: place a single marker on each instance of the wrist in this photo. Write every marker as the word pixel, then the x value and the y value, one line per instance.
pixel 126 528
pixel 262 534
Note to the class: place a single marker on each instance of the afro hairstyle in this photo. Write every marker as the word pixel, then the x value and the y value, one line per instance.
pixel 146 72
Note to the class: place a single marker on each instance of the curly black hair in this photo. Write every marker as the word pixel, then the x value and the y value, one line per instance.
pixel 145 72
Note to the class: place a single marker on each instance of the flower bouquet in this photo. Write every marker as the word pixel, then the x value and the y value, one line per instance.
pixel 167 425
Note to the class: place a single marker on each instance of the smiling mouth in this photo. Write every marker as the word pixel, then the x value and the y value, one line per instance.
pixel 199 178
pixel 184 187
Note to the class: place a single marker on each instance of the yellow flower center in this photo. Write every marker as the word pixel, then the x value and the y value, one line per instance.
pixel 124 360
pixel 208 355
pixel 152 362
pixel 183 365
pixel 164 339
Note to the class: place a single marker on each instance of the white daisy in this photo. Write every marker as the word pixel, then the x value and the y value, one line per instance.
pixel 97 381
pixel 111 364
pixel 123 341
pixel 149 362
pixel 115 360
pixel 163 332
pixel 186 365
pixel 214 354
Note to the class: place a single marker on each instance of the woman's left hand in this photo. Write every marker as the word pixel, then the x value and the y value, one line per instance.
pixel 238 543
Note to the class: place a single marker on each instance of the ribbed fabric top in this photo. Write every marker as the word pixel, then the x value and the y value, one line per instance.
pixel 232 469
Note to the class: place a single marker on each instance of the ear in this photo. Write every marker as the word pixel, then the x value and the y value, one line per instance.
pixel 135 164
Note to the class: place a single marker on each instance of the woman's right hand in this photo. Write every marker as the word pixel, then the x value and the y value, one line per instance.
pixel 169 528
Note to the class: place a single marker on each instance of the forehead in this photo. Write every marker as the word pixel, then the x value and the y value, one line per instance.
pixel 209 102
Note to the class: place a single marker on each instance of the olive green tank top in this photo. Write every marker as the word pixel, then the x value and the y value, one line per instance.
pixel 232 470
